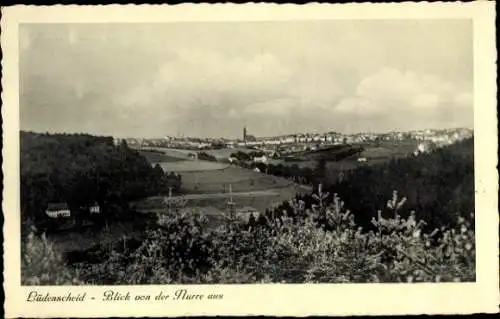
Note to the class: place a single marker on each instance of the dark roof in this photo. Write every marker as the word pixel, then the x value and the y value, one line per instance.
pixel 57 206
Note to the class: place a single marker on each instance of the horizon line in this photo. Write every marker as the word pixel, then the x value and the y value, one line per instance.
pixel 236 138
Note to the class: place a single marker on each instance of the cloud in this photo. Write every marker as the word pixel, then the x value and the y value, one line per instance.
pixel 213 78
pixel 281 106
pixel 404 92
pixel 195 77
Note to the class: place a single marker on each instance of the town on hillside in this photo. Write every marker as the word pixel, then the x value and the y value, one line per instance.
pixel 277 146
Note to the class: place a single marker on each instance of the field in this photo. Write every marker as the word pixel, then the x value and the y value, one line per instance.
pixel 248 188
pixel 158 156
pixel 389 149
pixel 206 188
pixel 241 180
pixel 260 203
pixel 206 184
pixel 374 153
pixel 215 207
pixel 191 166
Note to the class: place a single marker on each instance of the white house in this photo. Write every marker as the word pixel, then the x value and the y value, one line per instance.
pixel 288 139
pixel 362 159
pixel 272 142
pixel 423 148
pixel 55 210
pixel 95 209
pixel 262 159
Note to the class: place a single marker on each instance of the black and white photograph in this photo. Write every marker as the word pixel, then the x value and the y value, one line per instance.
pixel 328 151
pixel 240 152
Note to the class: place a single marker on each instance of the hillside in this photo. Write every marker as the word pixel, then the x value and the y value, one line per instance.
pixel 79 170
pixel 436 185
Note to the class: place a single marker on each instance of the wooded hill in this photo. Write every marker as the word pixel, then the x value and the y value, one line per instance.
pixel 439 186
pixel 81 170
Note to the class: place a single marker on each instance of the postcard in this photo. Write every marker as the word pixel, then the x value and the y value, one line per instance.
pixel 250 159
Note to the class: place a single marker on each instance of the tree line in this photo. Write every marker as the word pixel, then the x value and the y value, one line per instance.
pixel 206 157
pixel 246 156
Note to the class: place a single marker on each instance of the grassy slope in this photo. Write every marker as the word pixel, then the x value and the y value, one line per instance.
pixel 216 181
pixel 156 157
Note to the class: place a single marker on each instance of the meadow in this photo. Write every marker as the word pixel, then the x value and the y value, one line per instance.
pixel 154 156
pixel 375 153
pixel 191 166
pixel 240 179
pixel 208 191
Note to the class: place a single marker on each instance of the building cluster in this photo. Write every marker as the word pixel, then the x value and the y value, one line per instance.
pixel 58 210
pixel 300 141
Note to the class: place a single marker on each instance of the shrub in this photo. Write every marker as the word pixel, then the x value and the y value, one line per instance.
pixel 323 245
pixel 41 264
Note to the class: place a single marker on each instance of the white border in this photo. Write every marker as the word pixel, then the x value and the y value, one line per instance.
pixel 298 300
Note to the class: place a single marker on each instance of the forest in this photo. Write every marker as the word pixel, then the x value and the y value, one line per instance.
pixel 438 186
pixel 80 170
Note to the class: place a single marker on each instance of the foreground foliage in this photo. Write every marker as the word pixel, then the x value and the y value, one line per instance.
pixel 325 245
pixel 41 264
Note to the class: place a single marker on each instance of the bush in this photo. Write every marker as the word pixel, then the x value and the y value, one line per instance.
pixel 323 245
pixel 42 265
pixel 206 157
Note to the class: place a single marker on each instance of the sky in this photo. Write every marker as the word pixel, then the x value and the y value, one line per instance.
pixel 213 78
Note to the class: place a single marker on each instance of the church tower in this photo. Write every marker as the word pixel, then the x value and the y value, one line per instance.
pixel 244 134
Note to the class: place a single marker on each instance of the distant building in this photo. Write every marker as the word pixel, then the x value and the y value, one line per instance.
pixel 95 209
pixel 362 159
pixel 261 159
pixel 424 147
pixel 288 140
pixel 117 141
pixel 56 210
pixel 272 142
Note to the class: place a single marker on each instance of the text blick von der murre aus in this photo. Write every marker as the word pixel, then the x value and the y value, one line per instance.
pixel 117 296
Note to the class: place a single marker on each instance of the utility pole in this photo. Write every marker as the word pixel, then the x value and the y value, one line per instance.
pixel 169 200
pixel 231 203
